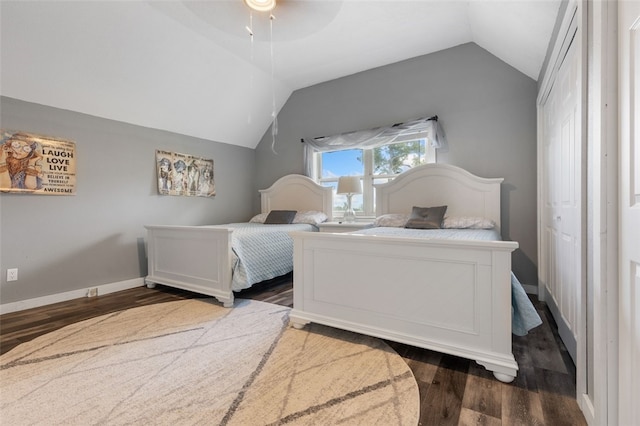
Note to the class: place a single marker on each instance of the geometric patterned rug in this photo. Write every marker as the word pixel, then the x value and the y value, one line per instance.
pixel 196 362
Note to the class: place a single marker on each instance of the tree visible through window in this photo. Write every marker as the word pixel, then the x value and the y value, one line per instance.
pixel 373 166
pixel 399 157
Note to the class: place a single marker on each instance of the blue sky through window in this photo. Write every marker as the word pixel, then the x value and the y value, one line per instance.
pixel 342 163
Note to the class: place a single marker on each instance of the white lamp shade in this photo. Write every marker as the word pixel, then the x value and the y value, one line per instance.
pixel 349 185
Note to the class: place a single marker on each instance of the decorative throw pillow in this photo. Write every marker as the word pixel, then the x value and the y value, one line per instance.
pixel 279 217
pixel 392 220
pixel 259 218
pixel 310 217
pixel 426 217
pixel 468 222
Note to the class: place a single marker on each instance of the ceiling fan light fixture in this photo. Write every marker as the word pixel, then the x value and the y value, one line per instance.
pixel 261 5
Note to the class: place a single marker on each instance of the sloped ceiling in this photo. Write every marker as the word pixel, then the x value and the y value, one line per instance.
pixel 191 67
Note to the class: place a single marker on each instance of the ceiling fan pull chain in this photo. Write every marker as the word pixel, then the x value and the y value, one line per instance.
pixel 274 115
pixel 250 31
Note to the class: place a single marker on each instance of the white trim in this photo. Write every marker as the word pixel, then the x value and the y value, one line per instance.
pixel 69 295
pixel 627 309
pixel 599 405
pixel 581 332
pixel 588 409
pixel 541 241
pixel 567 30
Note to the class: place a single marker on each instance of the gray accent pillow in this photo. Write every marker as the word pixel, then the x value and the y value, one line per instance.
pixel 426 217
pixel 279 217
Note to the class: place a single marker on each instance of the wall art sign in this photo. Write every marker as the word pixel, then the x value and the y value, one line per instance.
pixel 186 175
pixel 36 164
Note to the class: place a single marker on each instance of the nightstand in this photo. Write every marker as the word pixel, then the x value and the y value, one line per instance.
pixel 343 226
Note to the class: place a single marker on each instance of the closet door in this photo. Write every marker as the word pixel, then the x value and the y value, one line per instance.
pixel 562 195
pixel 629 239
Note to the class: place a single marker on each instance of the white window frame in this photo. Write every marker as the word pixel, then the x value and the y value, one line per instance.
pixel 368 178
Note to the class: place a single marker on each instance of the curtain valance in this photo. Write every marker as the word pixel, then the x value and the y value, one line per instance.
pixel 421 128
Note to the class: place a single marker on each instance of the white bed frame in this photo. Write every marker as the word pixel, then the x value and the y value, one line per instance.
pixel 449 296
pixel 199 258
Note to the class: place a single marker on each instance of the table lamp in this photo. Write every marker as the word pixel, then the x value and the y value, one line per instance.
pixel 349 185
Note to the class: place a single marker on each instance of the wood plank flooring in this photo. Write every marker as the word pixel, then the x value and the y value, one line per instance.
pixel 453 391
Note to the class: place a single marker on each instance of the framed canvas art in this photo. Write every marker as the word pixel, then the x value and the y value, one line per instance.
pixel 183 174
pixel 36 164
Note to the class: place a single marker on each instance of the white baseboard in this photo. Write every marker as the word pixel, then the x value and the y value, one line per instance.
pixel 70 295
pixel 587 409
pixel 530 289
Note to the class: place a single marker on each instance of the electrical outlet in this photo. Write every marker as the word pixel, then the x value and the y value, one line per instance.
pixel 92 292
pixel 12 274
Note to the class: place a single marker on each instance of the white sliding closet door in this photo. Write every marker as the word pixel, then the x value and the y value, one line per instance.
pixel 629 240
pixel 562 193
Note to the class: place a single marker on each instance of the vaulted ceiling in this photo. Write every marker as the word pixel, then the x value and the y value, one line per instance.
pixel 191 67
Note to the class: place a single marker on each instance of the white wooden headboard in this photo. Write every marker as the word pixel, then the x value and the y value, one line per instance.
pixel 432 185
pixel 297 192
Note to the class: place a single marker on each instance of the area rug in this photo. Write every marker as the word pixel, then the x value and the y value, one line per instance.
pixel 195 362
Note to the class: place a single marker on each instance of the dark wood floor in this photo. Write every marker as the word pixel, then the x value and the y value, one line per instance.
pixel 453 391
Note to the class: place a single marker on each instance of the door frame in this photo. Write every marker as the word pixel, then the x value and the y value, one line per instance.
pixel 602 248
pixel 628 308
pixel 574 21
pixel 596 388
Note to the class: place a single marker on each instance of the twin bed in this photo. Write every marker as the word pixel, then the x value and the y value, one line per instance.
pixel 452 291
pixel 444 292
pixel 220 259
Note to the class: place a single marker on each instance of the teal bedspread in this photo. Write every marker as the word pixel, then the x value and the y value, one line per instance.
pixel 261 252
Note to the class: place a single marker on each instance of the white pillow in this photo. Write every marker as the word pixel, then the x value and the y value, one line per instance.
pixel 467 222
pixel 259 218
pixel 310 217
pixel 393 220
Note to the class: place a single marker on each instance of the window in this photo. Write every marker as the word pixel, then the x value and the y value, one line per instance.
pixel 373 166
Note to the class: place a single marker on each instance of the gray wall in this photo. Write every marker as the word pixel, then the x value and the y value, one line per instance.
pixel 487 109
pixel 65 243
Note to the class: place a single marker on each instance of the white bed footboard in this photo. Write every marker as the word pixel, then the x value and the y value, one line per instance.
pixel 200 258
pixel 449 296
pixel 194 258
